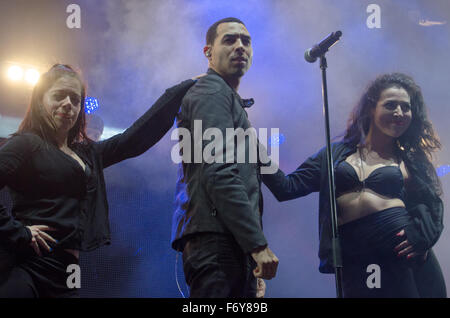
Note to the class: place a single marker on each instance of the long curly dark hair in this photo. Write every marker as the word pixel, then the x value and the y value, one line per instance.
pixel 37 122
pixel 417 145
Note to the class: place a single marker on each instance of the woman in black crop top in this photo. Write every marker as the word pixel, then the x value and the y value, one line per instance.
pixel 387 191
pixel 54 173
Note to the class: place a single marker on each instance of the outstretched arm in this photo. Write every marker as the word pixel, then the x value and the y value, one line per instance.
pixel 147 130
pixel 304 180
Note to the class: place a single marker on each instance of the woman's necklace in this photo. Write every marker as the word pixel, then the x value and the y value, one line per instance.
pixel 363 177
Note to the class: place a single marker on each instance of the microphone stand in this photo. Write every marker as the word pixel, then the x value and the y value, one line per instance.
pixel 337 256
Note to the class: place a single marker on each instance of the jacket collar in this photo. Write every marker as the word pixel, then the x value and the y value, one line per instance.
pixel 245 103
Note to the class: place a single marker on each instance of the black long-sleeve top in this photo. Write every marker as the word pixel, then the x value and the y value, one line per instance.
pixel 422 203
pixel 49 187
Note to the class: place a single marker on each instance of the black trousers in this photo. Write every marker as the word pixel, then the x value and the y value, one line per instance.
pixel 216 267
pixel 370 241
pixel 34 276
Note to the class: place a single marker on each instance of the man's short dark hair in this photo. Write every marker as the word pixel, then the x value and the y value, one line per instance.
pixel 212 31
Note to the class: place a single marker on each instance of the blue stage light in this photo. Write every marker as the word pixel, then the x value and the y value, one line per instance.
pixel 276 140
pixel 138 251
pixel 442 170
pixel 90 105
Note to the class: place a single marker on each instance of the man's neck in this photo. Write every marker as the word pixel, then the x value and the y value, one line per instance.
pixel 232 81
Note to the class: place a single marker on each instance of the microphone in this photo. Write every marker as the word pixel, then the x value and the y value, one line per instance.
pixel 317 50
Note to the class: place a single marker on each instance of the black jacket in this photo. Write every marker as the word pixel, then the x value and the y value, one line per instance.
pixel 217 197
pixel 423 204
pixel 49 187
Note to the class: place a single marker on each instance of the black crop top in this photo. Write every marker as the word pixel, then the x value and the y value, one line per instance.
pixel 387 181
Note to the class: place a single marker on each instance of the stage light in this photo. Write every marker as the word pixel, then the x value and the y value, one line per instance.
pixel 15 73
pixel 442 170
pixel 90 105
pixel 276 140
pixel 32 76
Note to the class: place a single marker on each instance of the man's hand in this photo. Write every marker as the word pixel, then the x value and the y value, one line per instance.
pixel 267 264
pixel 260 288
pixel 40 238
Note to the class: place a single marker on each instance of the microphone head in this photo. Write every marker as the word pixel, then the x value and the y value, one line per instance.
pixel 308 57
pixel 320 49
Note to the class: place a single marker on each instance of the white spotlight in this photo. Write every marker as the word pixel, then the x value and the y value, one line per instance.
pixel 32 76
pixel 15 73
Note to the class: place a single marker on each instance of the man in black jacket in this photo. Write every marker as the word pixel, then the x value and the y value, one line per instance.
pixel 217 222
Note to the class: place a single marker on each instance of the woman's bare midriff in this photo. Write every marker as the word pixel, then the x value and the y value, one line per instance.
pixel 355 205
pixel 360 203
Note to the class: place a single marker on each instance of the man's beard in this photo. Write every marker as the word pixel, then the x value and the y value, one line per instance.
pixel 239 72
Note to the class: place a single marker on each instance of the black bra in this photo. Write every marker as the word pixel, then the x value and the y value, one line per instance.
pixel 387 181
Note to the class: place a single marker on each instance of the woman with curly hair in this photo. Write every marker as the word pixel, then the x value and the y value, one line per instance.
pixel 387 193
pixel 54 173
